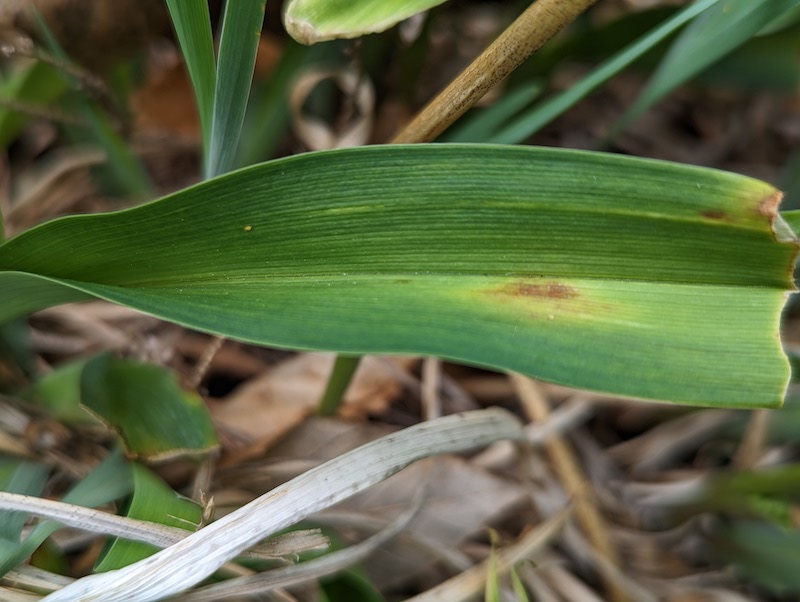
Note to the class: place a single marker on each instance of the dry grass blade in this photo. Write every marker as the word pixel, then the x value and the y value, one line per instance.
pixel 306 571
pixel 575 484
pixel 32 578
pixel 188 562
pixel 471 582
pixel 92 520
pixel 162 536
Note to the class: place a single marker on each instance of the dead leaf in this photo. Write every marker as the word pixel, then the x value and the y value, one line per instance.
pixel 264 409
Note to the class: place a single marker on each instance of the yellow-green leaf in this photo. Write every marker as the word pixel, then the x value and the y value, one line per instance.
pixel 312 21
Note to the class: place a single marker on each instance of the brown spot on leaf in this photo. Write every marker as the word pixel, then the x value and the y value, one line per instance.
pixel 769 206
pixel 715 215
pixel 553 290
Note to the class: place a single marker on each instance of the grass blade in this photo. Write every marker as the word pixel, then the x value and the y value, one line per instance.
pixel 532 121
pixel 510 257
pixel 241 30
pixel 192 25
pixel 155 502
pixel 108 482
pixel 712 35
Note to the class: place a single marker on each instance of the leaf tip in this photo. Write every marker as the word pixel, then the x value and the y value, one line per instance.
pixel 768 207
pixel 301 31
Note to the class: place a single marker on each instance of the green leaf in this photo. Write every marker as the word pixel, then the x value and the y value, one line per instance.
pixel 790 180
pixel 241 30
pixel 543 113
pixel 124 166
pixel 517 587
pixel 480 125
pixel 152 501
pixel 792 219
pixel 111 480
pixel 268 115
pixel 763 64
pixel 767 554
pixel 145 405
pixel 312 21
pixel 18 476
pixel 712 35
pixel 31 83
pixel 60 392
pixel 630 276
pixel 192 25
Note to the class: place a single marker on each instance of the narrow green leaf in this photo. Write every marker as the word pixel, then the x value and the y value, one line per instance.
pixel 764 553
pixel 17 352
pixel 145 405
pixel 60 392
pixel 192 25
pixel 31 83
pixel 312 21
pixel 241 30
pixel 124 166
pixel 543 113
pixel 152 501
pixel 763 64
pixel 712 35
pixel 792 218
pixel 18 476
pixel 481 125
pixel 518 587
pixel 790 180
pixel 110 481
pixel 630 276
pixel 268 114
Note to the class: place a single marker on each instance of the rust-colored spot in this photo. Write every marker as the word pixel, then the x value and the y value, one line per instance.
pixel 554 290
pixel 769 206
pixel 715 215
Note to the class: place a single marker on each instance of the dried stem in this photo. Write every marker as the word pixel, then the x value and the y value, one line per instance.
pixel 575 484
pixel 540 22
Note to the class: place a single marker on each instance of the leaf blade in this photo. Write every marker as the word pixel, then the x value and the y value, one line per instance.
pixel 312 21
pixel 241 30
pixel 712 35
pixel 192 24
pixel 627 276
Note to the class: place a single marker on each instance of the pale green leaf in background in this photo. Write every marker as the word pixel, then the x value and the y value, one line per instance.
pixel 147 407
pixel 312 21
pixel 28 84
pixel 110 481
pixel 18 476
pixel 630 276
pixel 152 501
pixel 532 120
pixel 59 391
pixel 712 35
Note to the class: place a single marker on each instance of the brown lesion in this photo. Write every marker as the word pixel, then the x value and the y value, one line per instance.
pixel 715 215
pixel 768 207
pixel 551 290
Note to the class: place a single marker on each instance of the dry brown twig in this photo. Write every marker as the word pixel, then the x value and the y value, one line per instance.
pixel 575 484
pixel 540 22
